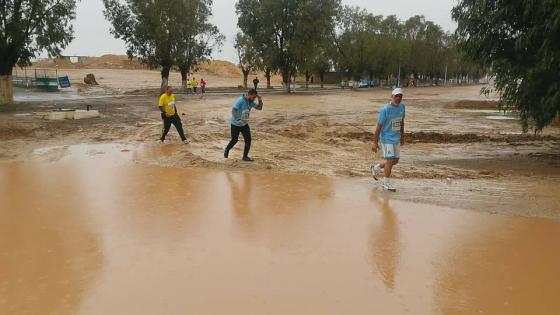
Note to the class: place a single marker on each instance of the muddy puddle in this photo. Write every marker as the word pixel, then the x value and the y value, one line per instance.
pixel 98 234
pixel 34 96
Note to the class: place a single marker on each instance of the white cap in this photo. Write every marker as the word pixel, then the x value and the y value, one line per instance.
pixel 397 91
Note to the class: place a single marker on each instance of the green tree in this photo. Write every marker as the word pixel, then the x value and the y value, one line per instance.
pixel 323 61
pixel 247 54
pixel 285 29
pixel 197 38
pixel 518 42
pixel 28 27
pixel 355 40
pixel 164 33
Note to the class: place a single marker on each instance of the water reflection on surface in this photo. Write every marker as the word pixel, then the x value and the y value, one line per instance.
pixel 89 235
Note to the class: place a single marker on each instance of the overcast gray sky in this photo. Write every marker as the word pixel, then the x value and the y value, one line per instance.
pixel 92 37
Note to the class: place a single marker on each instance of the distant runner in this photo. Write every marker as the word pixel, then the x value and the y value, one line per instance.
pixel 240 121
pixel 189 86
pixel 202 86
pixel 256 83
pixel 390 129
pixel 194 84
pixel 169 115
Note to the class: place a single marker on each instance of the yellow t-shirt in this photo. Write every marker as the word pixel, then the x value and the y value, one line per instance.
pixel 168 103
pixel 194 83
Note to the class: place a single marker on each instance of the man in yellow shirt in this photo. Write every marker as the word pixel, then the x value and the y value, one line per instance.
pixel 169 115
pixel 189 86
pixel 194 84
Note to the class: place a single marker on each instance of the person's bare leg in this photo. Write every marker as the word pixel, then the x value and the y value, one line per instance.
pixel 388 167
pixel 387 170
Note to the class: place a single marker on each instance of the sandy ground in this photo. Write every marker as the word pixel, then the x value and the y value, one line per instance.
pixel 113 81
pixel 460 151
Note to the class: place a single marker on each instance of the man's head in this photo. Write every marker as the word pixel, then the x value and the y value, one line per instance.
pixel 252 94
pixel 397 96
pixel 169 90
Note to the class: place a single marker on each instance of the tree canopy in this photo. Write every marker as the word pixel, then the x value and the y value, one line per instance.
pixel 28 27
pixel 379 46
pixel 286 31
pixel 518 42
pixel 165 33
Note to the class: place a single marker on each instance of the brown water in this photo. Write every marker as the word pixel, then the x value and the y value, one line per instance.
pixel 102 235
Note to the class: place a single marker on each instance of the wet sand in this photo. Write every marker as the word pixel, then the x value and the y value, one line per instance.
pixel 97 233
pixel 455 156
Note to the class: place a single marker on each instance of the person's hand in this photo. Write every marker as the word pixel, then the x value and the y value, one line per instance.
pixel 260 98
pixel 240 121
pixel 375 147
pixel 168 115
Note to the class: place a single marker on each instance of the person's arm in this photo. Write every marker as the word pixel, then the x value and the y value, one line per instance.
pixel 377 133
pixel 402 132
pixel 259 106
pixel 402 126
pixel 376 137
pixel 160 104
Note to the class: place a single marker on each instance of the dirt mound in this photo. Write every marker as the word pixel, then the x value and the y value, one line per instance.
pixel 220 67
pixel 471 104
pixel 103 62
pixel 437 137
pixel 90 79
pixel 217 67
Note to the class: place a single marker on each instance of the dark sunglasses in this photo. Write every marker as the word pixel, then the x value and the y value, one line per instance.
pixel 398 95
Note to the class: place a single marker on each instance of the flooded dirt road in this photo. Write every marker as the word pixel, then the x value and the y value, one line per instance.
pixel 102 235
pixel 457 153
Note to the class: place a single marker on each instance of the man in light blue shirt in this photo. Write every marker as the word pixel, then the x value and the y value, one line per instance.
pixel 240 121
pixel 390 130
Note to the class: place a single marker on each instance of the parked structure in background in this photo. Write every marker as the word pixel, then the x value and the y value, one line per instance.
pixel 38 78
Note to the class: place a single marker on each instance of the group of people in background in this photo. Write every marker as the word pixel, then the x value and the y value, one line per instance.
pixel 193 84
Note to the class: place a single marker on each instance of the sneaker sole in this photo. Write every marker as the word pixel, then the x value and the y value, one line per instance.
pixel 373 173
pixel 389 189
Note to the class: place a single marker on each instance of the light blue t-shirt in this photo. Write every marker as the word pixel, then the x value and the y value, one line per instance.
pixel 391 117
pixel 241 110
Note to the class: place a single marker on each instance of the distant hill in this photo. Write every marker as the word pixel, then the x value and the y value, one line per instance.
pixel 217 67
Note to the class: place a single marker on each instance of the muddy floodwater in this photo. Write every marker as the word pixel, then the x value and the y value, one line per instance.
pixel 105 235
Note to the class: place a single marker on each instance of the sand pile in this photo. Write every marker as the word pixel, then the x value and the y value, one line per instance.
pixel 220 67
pixel 217 67
pixel 103 62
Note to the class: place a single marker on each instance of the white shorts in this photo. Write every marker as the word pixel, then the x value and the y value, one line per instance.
pixel 391 151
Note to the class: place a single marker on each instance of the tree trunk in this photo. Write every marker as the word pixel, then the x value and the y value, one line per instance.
pixel 307 76
pixel 322 76
pixel 267 75
pixel 164 77
pixel 245 77
pixel 286 80
pixel 184 77
pixel 6 90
